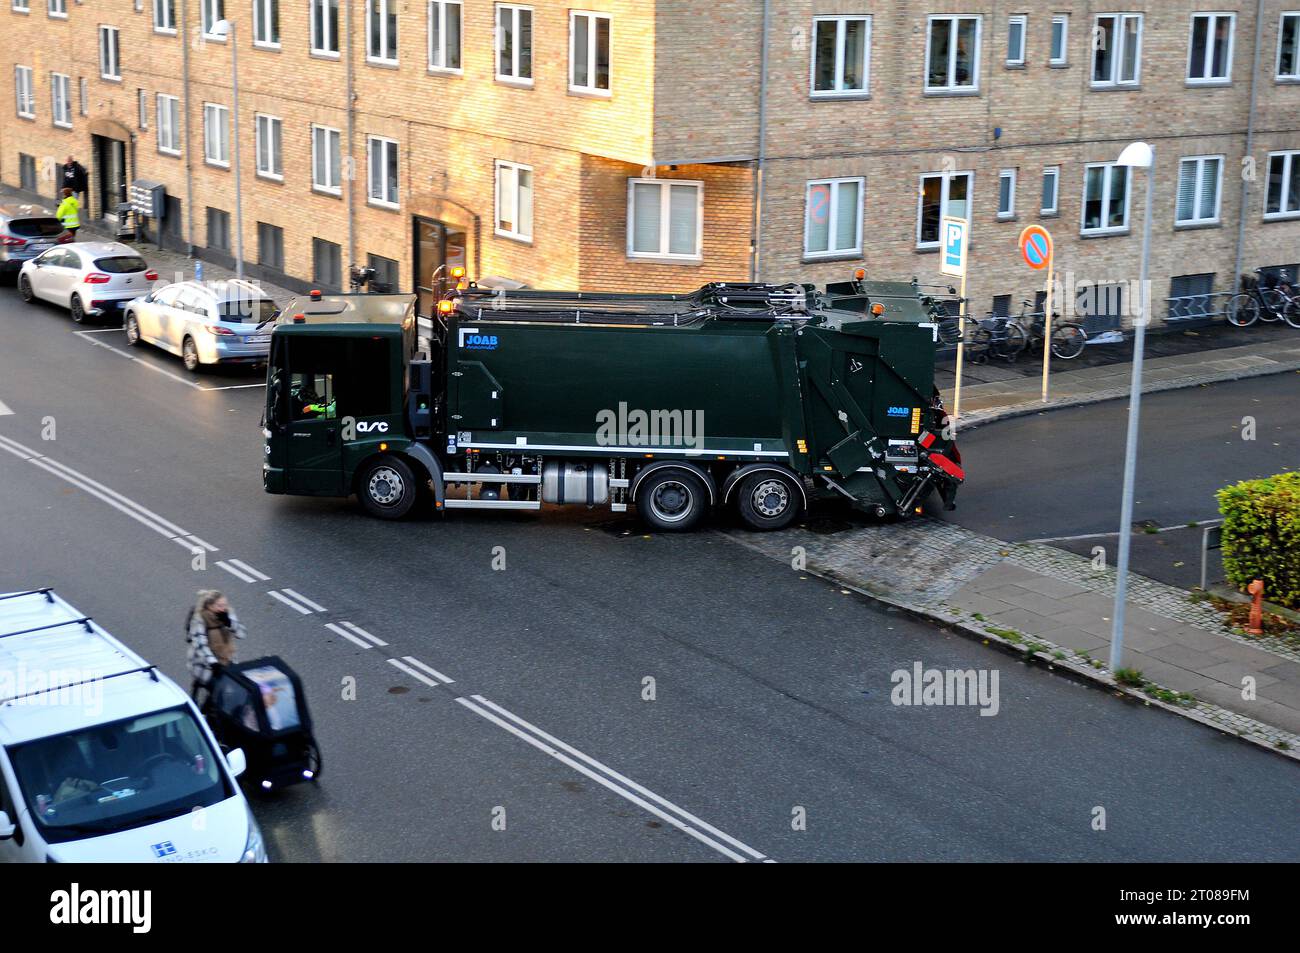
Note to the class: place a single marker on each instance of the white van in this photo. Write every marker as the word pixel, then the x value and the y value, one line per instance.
pixel 102 757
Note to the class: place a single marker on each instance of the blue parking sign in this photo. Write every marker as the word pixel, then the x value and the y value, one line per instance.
pixel 953 233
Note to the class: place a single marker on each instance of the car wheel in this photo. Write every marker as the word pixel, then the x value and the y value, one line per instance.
pixel 387 488
pixel 78 312
pixel 768 500
pixel 132 329
pixel 672 500
pixel 190 354
pixel 25 289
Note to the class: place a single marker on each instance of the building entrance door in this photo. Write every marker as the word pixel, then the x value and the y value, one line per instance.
pixel 110 173
pixel 439 247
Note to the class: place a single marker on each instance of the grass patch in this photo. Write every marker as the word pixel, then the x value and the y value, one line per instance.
pixel 1011 635
pixel 1130 676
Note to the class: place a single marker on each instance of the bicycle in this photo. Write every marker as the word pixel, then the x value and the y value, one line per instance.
pixel 1068 338
pixel 994 336
pixel 1270 299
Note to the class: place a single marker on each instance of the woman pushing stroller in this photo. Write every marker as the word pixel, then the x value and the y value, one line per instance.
pixel 212 631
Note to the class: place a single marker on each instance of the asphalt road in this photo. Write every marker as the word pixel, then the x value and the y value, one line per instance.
pixel 771 691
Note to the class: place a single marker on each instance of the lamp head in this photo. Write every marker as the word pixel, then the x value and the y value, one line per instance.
pixel 1138 155
pixel 223 28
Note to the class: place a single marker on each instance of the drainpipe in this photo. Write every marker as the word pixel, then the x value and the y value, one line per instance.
pixel 189 152
pixel 755 258
pixel 352 161
pixel 1250 145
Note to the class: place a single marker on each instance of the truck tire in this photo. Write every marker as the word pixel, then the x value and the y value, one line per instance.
pixel 672 500
pixel 387 488
pixel 768 500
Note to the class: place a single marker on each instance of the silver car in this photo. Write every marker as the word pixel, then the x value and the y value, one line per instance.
pixel 25 232
pixel 90 279
pixel 205 322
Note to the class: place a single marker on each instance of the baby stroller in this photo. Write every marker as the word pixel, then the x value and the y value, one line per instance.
pixel 259 706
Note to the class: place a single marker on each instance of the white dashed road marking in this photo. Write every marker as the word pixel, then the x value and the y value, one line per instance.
pixel 398 663
pixel 360 643
pixel 289 602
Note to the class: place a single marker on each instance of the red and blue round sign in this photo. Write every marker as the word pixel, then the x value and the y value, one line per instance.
pixel 1036 247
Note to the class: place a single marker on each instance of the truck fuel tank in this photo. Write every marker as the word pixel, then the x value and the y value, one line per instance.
pixel 575 481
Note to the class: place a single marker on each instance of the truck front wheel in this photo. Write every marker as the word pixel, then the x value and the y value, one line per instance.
pixel 672 500
pixel 768 500
pixel 388 488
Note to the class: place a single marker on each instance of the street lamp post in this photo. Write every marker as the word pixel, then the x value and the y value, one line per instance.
pixel 226 28
pixel 1138 155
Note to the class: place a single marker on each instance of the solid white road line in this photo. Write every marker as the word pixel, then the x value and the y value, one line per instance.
pixel 303 599
pixel 4 409
pixel 428 668
pixel 237 573
pixel 397 663
pixel 166 373
pixel 620 778
pixel 348 635
pixel 239 563
pixel 99 331
pixel 604 782
pixel 289 602
pixel 365 635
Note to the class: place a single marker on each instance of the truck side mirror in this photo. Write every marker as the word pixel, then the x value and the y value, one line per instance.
pixel 7 827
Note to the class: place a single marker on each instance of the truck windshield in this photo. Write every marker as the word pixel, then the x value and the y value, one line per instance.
pixel 120 775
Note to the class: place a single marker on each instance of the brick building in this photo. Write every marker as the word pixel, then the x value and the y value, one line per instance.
pixel 641 144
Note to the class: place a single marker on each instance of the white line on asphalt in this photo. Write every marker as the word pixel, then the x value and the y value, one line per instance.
pixel 365 635
pixel 304 600
pixel 289 602
pixel 348 635
pixel 428 668
pixel 4 409
pixel 98 331
pixel 143 520
pixel 248 569
pixel 192 542
pixel 604 782
pixel 413 673
pixel 614 774
pixel 166 373
pixel 76 474
pixel 18 450
pixel 237 573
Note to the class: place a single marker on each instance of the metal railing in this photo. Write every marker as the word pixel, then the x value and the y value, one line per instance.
pixel 1206 306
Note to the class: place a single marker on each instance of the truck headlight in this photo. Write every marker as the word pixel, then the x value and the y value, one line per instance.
pixel 254 848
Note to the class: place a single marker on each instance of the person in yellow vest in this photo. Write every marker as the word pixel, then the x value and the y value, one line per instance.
pixel 69 213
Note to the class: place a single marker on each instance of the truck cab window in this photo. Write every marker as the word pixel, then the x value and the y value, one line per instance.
pixel 312 396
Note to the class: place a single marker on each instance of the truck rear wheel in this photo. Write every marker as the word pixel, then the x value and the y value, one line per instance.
pixel 768 501
pixel 672 500
pixel 387 488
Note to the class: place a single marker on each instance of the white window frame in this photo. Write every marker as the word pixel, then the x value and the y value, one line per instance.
pixel 1213 17
pixel 24 92
pixel 515 8
pixel 1055 172
pixel 591 17
pixel 1117 59
pixel 216 112
pixel 440 9
pixel 1294 76
pixel 513 167
pixel 1199 163
pixel 323 7
pixel 1023 21
pixel 833 216
pixel 167 109
pixel 385 145
pixel 263 124
pixel 665 220
pixel 20 6
pixel 1289 159
pixel 166 23
pixel 57 9
pixel 1064 59
pixel 385 41
pixel 1010 212
pixel 266 15
pixel 211 12
pixel 335 184
pixel 954 20
pixel 142 109
pixel 61 83
pixel 943 200
pixel 1108 181
pixel 839 91
pixel 110 48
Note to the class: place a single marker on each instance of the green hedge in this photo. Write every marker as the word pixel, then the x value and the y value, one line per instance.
pixel 1261 535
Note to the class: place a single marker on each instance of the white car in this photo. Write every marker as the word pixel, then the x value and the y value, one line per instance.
pixel 90 279
pixel 102 757
pixel 205 322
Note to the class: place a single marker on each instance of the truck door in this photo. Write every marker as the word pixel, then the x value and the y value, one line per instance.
pixel 313 451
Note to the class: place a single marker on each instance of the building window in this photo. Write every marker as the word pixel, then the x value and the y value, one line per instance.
pixel 1060 54
pixel 270 246
pixel 833 217
pixel 942 196
pixel 61 100
pixel 1001 306
pixel 1105 198
pixel 268 141
pixel 1199 178
pixel 953 54
pixel 20 6
pixel 326 160
pixel 23 92
pixel 382 155
pixel 1288 47
pixel 1050 203
pixel 212 13
pixel 57 9
pixel 445 24
pixel 216 134
pixel 142 107
pixel 326 264
pixel 381 31
pixel 325 27
pixel 386 274
pixel 664 218
pixel 1007 193
pixel 514 201
pixel 589 52
pixel 1117 50
pixel 841 56
pixel 164 16
pixel 1016 27
pixel 1209 57
pixel 109 67
pixel 1283 200
pixel 218 230
pixel 169 124
pixel 85 95
pixel 266 23
pixel 1191 297
pixel 27 172
pixel 515 43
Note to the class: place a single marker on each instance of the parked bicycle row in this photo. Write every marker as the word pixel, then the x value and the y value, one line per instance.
pixel 1006 338
pixel 1269 296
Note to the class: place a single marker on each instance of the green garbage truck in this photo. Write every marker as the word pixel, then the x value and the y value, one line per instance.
pixel 757 398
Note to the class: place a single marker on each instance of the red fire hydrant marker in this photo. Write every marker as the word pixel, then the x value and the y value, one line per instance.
pixel 1256 589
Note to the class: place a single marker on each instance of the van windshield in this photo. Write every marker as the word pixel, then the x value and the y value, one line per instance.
pixel 120 775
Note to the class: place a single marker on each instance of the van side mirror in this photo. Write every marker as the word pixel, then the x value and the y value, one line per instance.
pixel 237 761
pixel 7 827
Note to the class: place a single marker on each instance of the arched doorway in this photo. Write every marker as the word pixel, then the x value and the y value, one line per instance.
pixel 443 235
pixel 110 167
